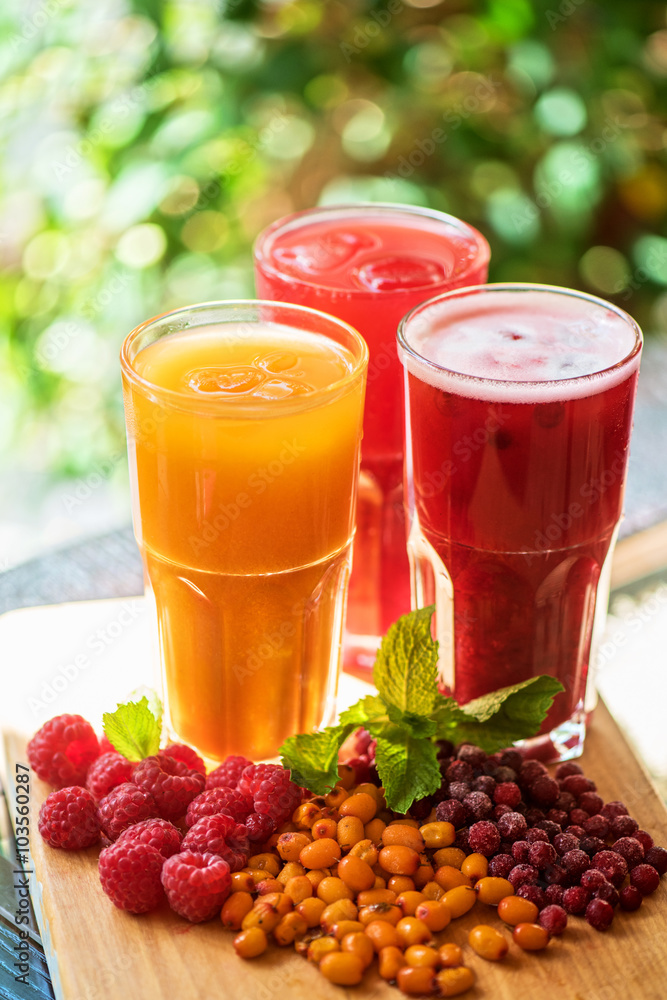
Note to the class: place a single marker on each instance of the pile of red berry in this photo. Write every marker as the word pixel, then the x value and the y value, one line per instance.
pixel 172 831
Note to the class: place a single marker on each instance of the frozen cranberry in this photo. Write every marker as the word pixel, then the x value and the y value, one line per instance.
pixel 576 831
pixel 445 748
pixel 523 875
pixel 592 845
pixel 577 784
pixel 591 802
pixel 534 815
pixel 530 770
pixel 554 894
pixel 451 811
pixel 612 866
pixel 623 826
pixel 607 892
pixel 471 754
pixel 645 878
pixel 421 809
pixel 483 838
pixel 501 810
pixel 535 835
pixel 501 865
pixel 511 758
pixel 564 842
pixel 503 775
pixel 479 804
pixel 534 894
pixel 575 863
pixel 630 849
pixel 544 791
pixel 541 855
pixel 505 847
pixel 592 879
pixel 550 828
pixel 459 770
pixel 567 768
pixel 462 839
pixel 599 914
pixel 558 816
pixel 578 817
pixel 459 790
pixel 657 857
pixel 485 783
pixel 507 793
pixel 596 826
pixel 512 826
pixel 576 899
pixel 521 851
pixel 613 809
pixel 566 801
pixel 644 838
pixel 554 919
pixel 630 898
pixel 556 875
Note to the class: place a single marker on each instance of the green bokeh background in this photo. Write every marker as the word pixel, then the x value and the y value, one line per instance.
pixel 145 143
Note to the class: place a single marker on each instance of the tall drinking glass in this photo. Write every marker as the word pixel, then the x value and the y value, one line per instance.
pixel 519 412
pixel 244 429
pixel 369 264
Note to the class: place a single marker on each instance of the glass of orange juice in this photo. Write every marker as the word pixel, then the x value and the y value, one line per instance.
pixel 244 428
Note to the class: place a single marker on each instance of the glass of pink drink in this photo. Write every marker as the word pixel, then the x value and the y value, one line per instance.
pixel 368 265
pixel 519 412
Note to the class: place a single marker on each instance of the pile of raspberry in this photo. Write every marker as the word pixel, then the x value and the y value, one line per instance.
pixel 170 831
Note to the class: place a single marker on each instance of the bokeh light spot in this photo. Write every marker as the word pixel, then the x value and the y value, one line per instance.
pixel 46 255
pixel 561 111
pixel 205 231
pixel 141 246
pixel 605 269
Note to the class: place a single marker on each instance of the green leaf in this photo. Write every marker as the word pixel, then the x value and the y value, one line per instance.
pixel 527 701
pixel 363 711
pixel 312 758
pixel 154 703
pixel 406 666
pixel 133 730
pixel 408 767
pixel 418 725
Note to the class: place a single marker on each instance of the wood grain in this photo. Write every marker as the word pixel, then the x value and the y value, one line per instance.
pixel 96 952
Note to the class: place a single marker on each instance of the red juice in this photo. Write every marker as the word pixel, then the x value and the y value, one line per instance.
pixel 368 265
pixel 519 419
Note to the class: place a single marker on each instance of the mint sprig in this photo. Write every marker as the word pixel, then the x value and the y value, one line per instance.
pixel 409 714
pixel 133 729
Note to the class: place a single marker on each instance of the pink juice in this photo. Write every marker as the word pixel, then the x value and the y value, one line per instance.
pixel 368 265
pixel 520 412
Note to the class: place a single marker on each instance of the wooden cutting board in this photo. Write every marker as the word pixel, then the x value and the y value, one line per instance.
pixel 96 952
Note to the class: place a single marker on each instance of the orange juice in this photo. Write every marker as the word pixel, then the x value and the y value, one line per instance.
pixel 244 441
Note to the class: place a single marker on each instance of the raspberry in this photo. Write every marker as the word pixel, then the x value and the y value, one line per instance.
pixel 623 826
pixel 534 894
pixel 172 784
pixel 124 805
pixel 657 857
pixel 575 863
pixel 507 793
pixel 459 790
pixel 61 751
pixel 564 842
pixel 607 892
pixel 577 784
pixel 479 804
pixel 630 849
pixel 554 894
pixel 592 879
pixel 484 838
pixel 259 828
pixel 107 772
pixel 68 818
pixel 221 835
pixel 196 885
pixel 630 898
pixel 227 774
pixel 567 768
pixel 512 826
pixel 106 746
pixel 272 792
pixel 157 833
pixel 591 802
pixel 184 753
pixel 216 800
pixel 459 770
pixel 575 900
pixel 645 878
pixel 599 914
pixel 612 866
pixel 501 865
pixel 523 875
pixel 485 783
pixel 130 876
pixel 544 791
pixel 452 811
pixel 541 855
pixel 596 826
pixel 471 754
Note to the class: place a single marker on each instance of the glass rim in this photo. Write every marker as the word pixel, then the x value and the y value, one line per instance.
pixel 514 287
pixel 385 208
pixel 235 405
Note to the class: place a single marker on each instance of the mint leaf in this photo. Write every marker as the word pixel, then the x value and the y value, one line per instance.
pixel 406 666
pixel 418 725
pixel 408 766
pixel 133 730
pixel 312 758
pixel 154 703
pixel 527 702
pixel 363 711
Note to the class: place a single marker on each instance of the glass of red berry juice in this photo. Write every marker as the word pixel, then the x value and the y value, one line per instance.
pixel 368 265
pixel 519 403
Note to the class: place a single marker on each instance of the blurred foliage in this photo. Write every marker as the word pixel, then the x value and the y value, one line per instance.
pixel 146 142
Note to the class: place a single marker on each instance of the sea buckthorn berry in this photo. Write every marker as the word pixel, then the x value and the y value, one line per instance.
pixel 320 853
pixel 380 911
pixel 345 927
pixel 305 815
pixel 315 875
pixel 323 828
pixel 251 943
pixel 282 903
pixel 374 791
pixel 265 862
pixel 422 956
pixel 347 776
pixel 372 896
pixel 360 945
pixel 257 875
pixel 515 910
pixel 291 927
pixel 488 942
pixel 424 873
pixel 356 874
pixel 450 954
pixel 432 891
pixel 336 797
pixel 434 914
pixel 311 910
pixel 401 883
pixel 405 821
pixel 298 889
pixel 331 889
pixel 399 860
pixel 390 960
pixel 409 901
pixel 530 937
pixel 366 850
pixel 382 934
pixel 268 886
pixel 234 910
pixel 342 909
pixel 452 857
pixel 449 877
pixel 342 968
pixel 492 890
pixel 475 866
pixel 416 981
pixel 454 982
pixel 404 835
pixel 360 804
pixel 410 930
pixel 349 832
pixel 373 831
pixel 320 947
pixel 459 900
pixel 262 915
pixel 242 882
pixel 290 870
pixel 437 835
